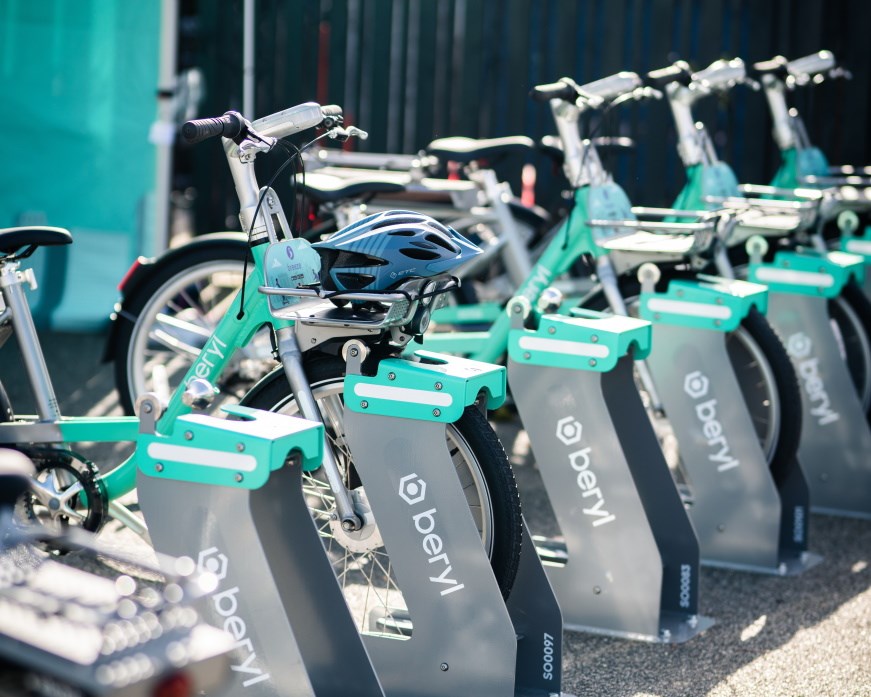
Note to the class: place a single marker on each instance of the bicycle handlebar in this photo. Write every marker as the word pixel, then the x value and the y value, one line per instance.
pixel 593 94
pixel 811 65
pixel 230 125
pixel 721 74
pixel 613 86
pixel 678 72
pixel 283 123
pixel 566 89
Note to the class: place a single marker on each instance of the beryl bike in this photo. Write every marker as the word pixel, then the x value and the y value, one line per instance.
pixel 793 218
pixel 365 316
pixel 170 305
pixel 604 231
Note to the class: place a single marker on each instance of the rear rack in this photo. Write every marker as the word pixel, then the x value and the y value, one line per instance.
pixel 702 231
pixel 394 308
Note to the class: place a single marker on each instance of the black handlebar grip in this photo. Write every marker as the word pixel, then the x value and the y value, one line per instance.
pixel 555 90
pixel 229 126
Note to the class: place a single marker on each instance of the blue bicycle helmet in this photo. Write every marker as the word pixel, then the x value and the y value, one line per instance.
pixel 384 249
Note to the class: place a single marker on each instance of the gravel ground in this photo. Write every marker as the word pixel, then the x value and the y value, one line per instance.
pixel 807 636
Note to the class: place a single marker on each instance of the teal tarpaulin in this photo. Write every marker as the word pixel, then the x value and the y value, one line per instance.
pixel 78 82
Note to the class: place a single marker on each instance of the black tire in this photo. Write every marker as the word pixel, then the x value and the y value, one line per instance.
pixel 850 313
pixel 755 351
pixel 194 287
pixel 781 458
pixel 471 436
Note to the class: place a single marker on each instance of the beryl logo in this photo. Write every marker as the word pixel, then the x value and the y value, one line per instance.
pixel 697 385
pixel 289 251
pixel 214 562
pixel 800 348
pixel 799 345
pixel 569 432
pixel 225 604
pixel 412 490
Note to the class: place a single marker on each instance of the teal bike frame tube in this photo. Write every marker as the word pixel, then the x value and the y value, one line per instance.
pixel 691 197
pixel 786 175
pixel 231 334
pixel 560 254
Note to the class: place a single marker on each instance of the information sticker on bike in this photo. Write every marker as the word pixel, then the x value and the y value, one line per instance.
pixel 290 264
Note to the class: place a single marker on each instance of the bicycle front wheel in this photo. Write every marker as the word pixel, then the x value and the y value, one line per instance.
pixel 850 318
pixel 764 372
pixel 359 559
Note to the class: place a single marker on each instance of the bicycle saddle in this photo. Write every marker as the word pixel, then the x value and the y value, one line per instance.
pixel 328 188
pixel 14 238
pixel 461 149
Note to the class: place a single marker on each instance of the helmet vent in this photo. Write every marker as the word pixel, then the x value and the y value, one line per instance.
pixel 354 281
pixel 402 233
pixel 420 254
pixel 442 242
pixel 346 259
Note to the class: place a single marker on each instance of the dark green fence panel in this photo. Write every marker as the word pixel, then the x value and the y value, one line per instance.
pixel 409 71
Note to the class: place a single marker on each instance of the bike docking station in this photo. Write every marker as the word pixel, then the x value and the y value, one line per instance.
pixel 848 224
pixel 628 562
pixel 747 517
pixel 465 638
pixel 203 491
pixel 835 438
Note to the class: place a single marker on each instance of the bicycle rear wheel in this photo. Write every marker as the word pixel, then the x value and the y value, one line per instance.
pixel 359 559
pixel 167 320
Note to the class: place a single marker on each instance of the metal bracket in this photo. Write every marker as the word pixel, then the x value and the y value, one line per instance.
pixel 463 639
pixel 628 561
pixel 277 593
pixel 743 517
pixel 835 439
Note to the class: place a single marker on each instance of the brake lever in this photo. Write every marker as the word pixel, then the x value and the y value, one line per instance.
pixel 647 92
pixel 254 143
pixel 342 134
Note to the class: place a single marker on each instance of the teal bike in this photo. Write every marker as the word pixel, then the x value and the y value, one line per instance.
pixel 606 232
pixel 315 333
pixel 793 217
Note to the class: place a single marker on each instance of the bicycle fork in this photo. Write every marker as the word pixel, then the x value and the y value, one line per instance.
pixel 291 358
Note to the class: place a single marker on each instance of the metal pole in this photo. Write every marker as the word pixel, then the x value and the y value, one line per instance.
pixel 163 129
pixel 248 42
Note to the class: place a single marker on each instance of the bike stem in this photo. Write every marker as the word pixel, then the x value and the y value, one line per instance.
pixel 291 359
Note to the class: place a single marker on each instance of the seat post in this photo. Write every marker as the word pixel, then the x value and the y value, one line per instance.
pixel 11 280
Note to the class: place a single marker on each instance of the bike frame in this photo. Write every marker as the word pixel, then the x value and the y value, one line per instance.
pixel 233 332
pixel 230 335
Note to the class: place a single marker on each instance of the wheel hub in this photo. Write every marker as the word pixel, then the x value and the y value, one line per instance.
pixel 368 537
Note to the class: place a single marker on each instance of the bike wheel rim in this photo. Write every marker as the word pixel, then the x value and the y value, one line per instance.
pixel 141 359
